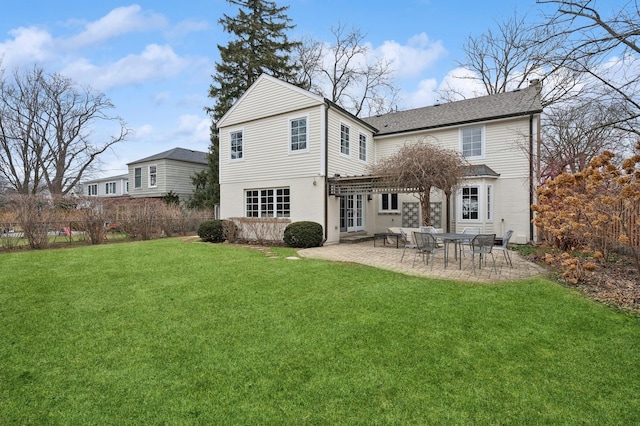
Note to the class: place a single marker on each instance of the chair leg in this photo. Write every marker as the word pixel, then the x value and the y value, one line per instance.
pixel 493 259
pixel 508 257
pixel 403 250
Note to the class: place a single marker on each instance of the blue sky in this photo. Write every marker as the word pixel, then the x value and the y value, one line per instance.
pixel 154 59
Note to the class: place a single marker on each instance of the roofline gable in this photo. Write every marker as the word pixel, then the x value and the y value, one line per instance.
pixel 319 99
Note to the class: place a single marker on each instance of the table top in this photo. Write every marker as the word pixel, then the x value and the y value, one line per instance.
pixel 453 236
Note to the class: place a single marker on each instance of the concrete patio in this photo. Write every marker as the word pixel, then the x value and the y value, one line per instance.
pixel 388 257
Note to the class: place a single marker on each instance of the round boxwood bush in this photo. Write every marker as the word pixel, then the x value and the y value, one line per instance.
pixel 303 234
pixel 211 231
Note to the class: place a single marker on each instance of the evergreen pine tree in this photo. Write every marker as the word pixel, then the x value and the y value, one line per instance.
pixel 259 45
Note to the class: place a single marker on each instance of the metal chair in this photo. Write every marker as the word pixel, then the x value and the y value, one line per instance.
pixel 504 247
pixel 407 243
pixel 468 230
pixel 482 245
pixel 427 246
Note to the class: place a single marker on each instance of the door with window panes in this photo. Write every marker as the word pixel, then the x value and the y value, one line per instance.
pixel 352 213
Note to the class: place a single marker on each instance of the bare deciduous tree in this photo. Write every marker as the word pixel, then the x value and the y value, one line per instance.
pixel 47 131
pixel 346 73
pixel 422 166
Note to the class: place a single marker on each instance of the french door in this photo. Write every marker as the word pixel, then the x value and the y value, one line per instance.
pixel 352 213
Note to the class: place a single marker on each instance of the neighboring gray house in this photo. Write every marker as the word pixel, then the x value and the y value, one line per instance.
pixel 154 176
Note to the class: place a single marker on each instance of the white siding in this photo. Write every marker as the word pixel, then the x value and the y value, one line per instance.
pixel 171 175
pixel 339 163
pixel 266 152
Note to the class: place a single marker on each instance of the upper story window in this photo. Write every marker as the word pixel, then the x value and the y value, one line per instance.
pixel 110 188
pixel 389 202
pixel 344 139
pixel 472 142
pixel 92 190
pixel 236 145
pixel 470 203
pixel 137 177
pixel 298 134
pixel 362 152
pixel 153 176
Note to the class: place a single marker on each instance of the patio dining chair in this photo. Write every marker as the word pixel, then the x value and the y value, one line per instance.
pixel 408 244
pixel 474 230
pixel 504 247
pixel 481 245
pixel 427 246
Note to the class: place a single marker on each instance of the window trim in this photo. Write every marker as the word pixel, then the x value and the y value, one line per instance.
pixel 93 193
pixel 106 188
pixel 137 175
pixel 242 145
pixel 348 140
pixel 155 174
pixel 366 147
pixel 306 134
pixel 482 142
pixel 479 204
pixel 280 207
pixel 489 202
pixel 389 203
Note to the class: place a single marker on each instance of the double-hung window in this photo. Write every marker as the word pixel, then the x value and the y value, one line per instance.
pixel 298 134
pixel 472 142
pixel 362 152
pixel 137 177
pixel 389 203
pixel 153 176
pixel 344 139
pixel 236 145
pixel 270 202
pixel 92 190
pixel 110 188
pixel 470 203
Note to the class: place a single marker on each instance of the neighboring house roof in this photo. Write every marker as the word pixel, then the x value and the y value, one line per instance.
pixel 125 176
pixel 178 154
pixel 491 107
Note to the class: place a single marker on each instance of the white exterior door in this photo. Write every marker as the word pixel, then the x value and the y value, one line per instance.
pixel 354 211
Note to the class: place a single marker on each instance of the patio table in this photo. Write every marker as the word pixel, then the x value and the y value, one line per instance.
pixel 386 235
pixel 452 237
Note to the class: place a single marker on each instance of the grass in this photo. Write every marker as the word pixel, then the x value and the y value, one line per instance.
pixel 178 332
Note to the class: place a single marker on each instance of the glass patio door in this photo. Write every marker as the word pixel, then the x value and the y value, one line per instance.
pixel 352 213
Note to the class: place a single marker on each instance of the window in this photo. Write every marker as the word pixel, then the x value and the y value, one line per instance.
pixel 472 145
pixel 363 147
pixel 235 140
pixel 389 203
pixel 126 187
pixel 344 139
pixel 110 188
pixel 92 190
pixel 137 177
pixel 298 129
pixel 273 202
pixel 489 203
pixel 470 204
pixel 153 176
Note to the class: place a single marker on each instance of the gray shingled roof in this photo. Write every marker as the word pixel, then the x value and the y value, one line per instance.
pixel 501 105
pixel 178 154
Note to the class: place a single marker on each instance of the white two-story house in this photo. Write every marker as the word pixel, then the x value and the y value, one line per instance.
pixel 286 152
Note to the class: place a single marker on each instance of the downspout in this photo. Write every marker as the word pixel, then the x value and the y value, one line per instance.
pixel 326 172
pixel 531 186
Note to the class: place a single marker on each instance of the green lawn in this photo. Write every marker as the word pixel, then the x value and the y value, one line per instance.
pixel 177 332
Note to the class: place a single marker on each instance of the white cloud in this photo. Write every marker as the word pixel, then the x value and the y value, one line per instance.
pixel 28 45
pixel 155 62
pixel 119 21
pixel 195 130
pixel 411 59
pixel 423 96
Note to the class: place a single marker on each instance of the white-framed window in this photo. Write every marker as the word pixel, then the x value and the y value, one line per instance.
pixel 389 203
pixel 110 188
pixel 472 142
pixel 92 190
pixel 362 145
pixel 236 145
pixel 153 176
pixel 137 177
pixel 298 134
pixel 268 202
pixel 344 139
pixel 489 203
pixel 470 203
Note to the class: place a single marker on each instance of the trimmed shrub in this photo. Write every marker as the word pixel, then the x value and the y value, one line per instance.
pixel 303 234
pixel 211 231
